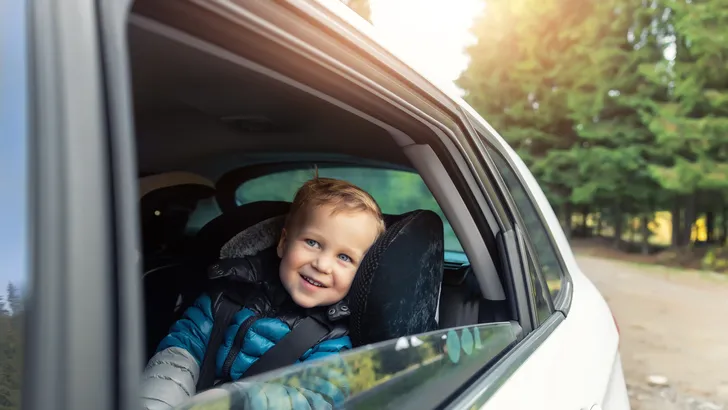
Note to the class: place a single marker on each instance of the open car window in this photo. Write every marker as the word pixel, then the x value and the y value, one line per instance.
pixel 395 191
pixel 415 372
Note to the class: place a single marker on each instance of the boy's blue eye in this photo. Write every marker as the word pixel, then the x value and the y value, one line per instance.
pixel 345 258
pixel 311 242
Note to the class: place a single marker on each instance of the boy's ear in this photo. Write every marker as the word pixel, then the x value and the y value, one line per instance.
pixel 281 243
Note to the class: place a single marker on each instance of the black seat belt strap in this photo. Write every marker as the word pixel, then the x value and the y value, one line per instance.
pixel 289 349
pixel 222 318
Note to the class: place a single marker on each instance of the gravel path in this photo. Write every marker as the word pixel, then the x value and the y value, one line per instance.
pixel 673 324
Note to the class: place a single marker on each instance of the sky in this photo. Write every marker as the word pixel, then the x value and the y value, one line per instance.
pixel 13 224
pixel 429 35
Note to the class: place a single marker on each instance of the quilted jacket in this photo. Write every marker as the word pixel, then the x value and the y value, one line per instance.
pixel 266 316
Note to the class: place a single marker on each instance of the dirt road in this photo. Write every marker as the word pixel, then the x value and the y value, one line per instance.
pixel 673 324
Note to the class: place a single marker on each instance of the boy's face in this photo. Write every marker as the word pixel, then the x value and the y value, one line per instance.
pixel 321 252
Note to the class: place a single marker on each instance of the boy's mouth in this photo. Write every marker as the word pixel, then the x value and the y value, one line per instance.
pixel 313 282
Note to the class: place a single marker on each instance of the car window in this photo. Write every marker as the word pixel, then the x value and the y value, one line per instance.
pixel 421 371
pixel 539 292
pixel 545 252
pixel 14 283
pixel 395 191
pixel 205 211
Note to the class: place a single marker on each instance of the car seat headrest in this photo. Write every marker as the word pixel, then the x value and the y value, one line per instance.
pixel 259 237
pixel 215 234
pixel 396 288
pixel 165 213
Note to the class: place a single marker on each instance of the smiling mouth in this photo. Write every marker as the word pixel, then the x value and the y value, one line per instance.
pixel 313 282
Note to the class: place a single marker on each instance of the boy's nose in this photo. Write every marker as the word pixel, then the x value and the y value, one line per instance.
pixel 323 264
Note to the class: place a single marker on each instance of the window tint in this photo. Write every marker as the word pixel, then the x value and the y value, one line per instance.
pixel 205 211
pixel 537 230
pixel 395 191
pixel 420 371
pixel 14 284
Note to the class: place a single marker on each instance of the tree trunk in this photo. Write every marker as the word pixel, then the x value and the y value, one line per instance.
pixel 710 226
pixel 584 216
pixel 632 230
pixel 567 220
pixel 617 225
pixel 724 233
pixel 645 235
pixel 676 223
pixel 598 230
pixel 689 220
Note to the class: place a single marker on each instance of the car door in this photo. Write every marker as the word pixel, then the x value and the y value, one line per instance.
pixel 75 356
pixel 573 360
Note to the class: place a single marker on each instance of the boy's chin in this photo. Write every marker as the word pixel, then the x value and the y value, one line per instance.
pixel 305 302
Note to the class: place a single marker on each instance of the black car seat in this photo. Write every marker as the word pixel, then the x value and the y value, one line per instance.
pixel 396 289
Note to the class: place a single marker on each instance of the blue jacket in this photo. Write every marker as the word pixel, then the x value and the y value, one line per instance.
pixel 267 315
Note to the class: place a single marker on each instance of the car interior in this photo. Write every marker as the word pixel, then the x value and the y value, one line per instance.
pixel 216 131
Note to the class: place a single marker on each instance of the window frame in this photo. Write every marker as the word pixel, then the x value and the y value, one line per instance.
pixel 490 144
pixel 409 99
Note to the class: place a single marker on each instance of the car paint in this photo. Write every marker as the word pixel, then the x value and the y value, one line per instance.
pixel 585 347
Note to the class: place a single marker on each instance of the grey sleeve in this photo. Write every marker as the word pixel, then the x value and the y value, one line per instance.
pixel 169 379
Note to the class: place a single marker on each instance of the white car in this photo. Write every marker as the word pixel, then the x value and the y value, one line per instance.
pixel 173 115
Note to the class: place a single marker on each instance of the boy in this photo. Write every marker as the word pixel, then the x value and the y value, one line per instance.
pixel 328 230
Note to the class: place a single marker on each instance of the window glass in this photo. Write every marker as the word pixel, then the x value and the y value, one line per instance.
pixel 537 230
pixel 14 283
pixel 540 293
pixel 205 211
pixel 418 370
pixel 395 191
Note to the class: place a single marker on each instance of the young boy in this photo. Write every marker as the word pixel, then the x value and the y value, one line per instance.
pixel 328 230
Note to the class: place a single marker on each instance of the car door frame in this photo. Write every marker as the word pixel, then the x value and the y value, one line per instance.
pixel 84 265
pixel 71 351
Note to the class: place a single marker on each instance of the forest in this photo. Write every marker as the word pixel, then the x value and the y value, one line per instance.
pixel 11 348
pixel 619 108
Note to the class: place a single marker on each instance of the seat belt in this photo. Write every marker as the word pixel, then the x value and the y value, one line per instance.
pixel 222 318
pixel 290 348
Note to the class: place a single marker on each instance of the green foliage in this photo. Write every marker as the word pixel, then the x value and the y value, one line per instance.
pixel 11 349
pixel 616 106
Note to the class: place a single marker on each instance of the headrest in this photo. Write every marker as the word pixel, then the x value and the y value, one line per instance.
pixel 259 237
pixel 396 288
pixel 165 213
pixel 212 237
pixel 152 183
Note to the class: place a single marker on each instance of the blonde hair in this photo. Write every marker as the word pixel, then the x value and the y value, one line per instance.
pixel 343 196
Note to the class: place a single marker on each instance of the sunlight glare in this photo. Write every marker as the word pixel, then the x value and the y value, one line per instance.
pixel 429 35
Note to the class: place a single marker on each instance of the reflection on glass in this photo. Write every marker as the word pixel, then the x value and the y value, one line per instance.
pixel 396 192
pixel 545 252
pixel 415 368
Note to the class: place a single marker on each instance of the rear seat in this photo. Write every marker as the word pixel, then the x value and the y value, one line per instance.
pixel 462 303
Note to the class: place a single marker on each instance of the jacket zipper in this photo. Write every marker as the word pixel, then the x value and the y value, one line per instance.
pixel 237 346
